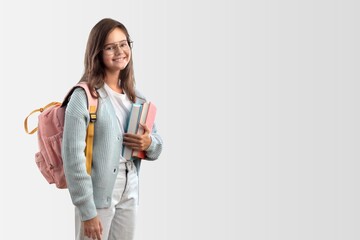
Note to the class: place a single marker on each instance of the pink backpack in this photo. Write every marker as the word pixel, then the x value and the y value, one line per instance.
pixel 50 131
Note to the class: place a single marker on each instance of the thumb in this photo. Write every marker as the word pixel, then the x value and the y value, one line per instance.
pixel 147 130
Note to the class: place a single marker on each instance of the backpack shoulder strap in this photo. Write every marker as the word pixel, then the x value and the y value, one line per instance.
pixel 92 104
pixel 90 99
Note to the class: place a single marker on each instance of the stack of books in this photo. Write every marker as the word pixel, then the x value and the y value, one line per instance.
pixel 144 114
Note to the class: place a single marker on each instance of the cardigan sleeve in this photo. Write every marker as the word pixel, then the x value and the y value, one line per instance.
pixel 155 148
pixel 73 145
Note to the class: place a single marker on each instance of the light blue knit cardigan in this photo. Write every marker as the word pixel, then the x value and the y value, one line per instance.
pixel 95 191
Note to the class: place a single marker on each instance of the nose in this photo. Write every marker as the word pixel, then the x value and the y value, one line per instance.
pixel 118 48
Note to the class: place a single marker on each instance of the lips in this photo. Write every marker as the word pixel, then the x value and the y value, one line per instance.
pixel 119 59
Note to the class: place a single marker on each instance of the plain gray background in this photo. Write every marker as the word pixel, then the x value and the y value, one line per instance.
pixel 257 105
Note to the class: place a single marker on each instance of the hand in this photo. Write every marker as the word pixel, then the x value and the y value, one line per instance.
pixel 138 142
pixel 93 228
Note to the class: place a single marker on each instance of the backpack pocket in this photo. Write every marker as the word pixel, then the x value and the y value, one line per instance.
pixel 43 167
pixel 53 150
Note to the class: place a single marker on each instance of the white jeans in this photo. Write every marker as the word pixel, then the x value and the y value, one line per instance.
pixel 118 221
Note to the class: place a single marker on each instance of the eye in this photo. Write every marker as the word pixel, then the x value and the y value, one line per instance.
pixel 109 48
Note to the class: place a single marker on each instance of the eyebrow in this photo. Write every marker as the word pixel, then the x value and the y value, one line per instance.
pixel 125 40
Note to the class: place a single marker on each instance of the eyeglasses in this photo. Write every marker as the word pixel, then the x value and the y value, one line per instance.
pixel 111 48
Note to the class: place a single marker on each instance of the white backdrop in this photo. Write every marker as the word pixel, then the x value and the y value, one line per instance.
pixel 257 105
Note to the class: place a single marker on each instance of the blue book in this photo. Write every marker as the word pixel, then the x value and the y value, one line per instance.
pixel 132 127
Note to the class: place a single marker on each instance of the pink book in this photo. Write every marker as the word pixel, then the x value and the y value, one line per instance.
pixel 148 117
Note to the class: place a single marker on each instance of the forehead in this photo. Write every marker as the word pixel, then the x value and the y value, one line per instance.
pixel 115 35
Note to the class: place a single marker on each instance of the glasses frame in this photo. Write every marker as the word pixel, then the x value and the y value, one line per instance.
pixel 109 52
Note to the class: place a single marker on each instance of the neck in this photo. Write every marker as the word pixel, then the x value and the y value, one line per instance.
pixel 112 77
pixel 112 80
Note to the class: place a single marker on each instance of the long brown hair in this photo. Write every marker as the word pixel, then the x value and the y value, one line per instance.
pixel 94 72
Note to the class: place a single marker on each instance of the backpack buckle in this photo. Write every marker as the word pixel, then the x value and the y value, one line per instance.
pixel 92 117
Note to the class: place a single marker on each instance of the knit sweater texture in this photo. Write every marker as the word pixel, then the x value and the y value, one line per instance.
pixel 91 192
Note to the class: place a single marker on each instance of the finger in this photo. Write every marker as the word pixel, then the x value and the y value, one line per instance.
pixel 137 141
pixel 98 235
pixel 87 233
pixel 92 235
pixel 101 228
pixel 147 130
pixel 135 146
pixel 132 140
pixel 132 145
pixel 131 136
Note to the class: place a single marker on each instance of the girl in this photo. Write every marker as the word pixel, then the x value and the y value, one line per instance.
pixel 106 201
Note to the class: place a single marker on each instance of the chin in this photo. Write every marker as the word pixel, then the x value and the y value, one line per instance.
pixel 122 68
pixel 119 68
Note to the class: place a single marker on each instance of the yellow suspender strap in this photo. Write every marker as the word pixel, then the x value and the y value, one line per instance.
pixel 90 139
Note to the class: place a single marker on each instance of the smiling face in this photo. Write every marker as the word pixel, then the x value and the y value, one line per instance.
pixel 117 52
